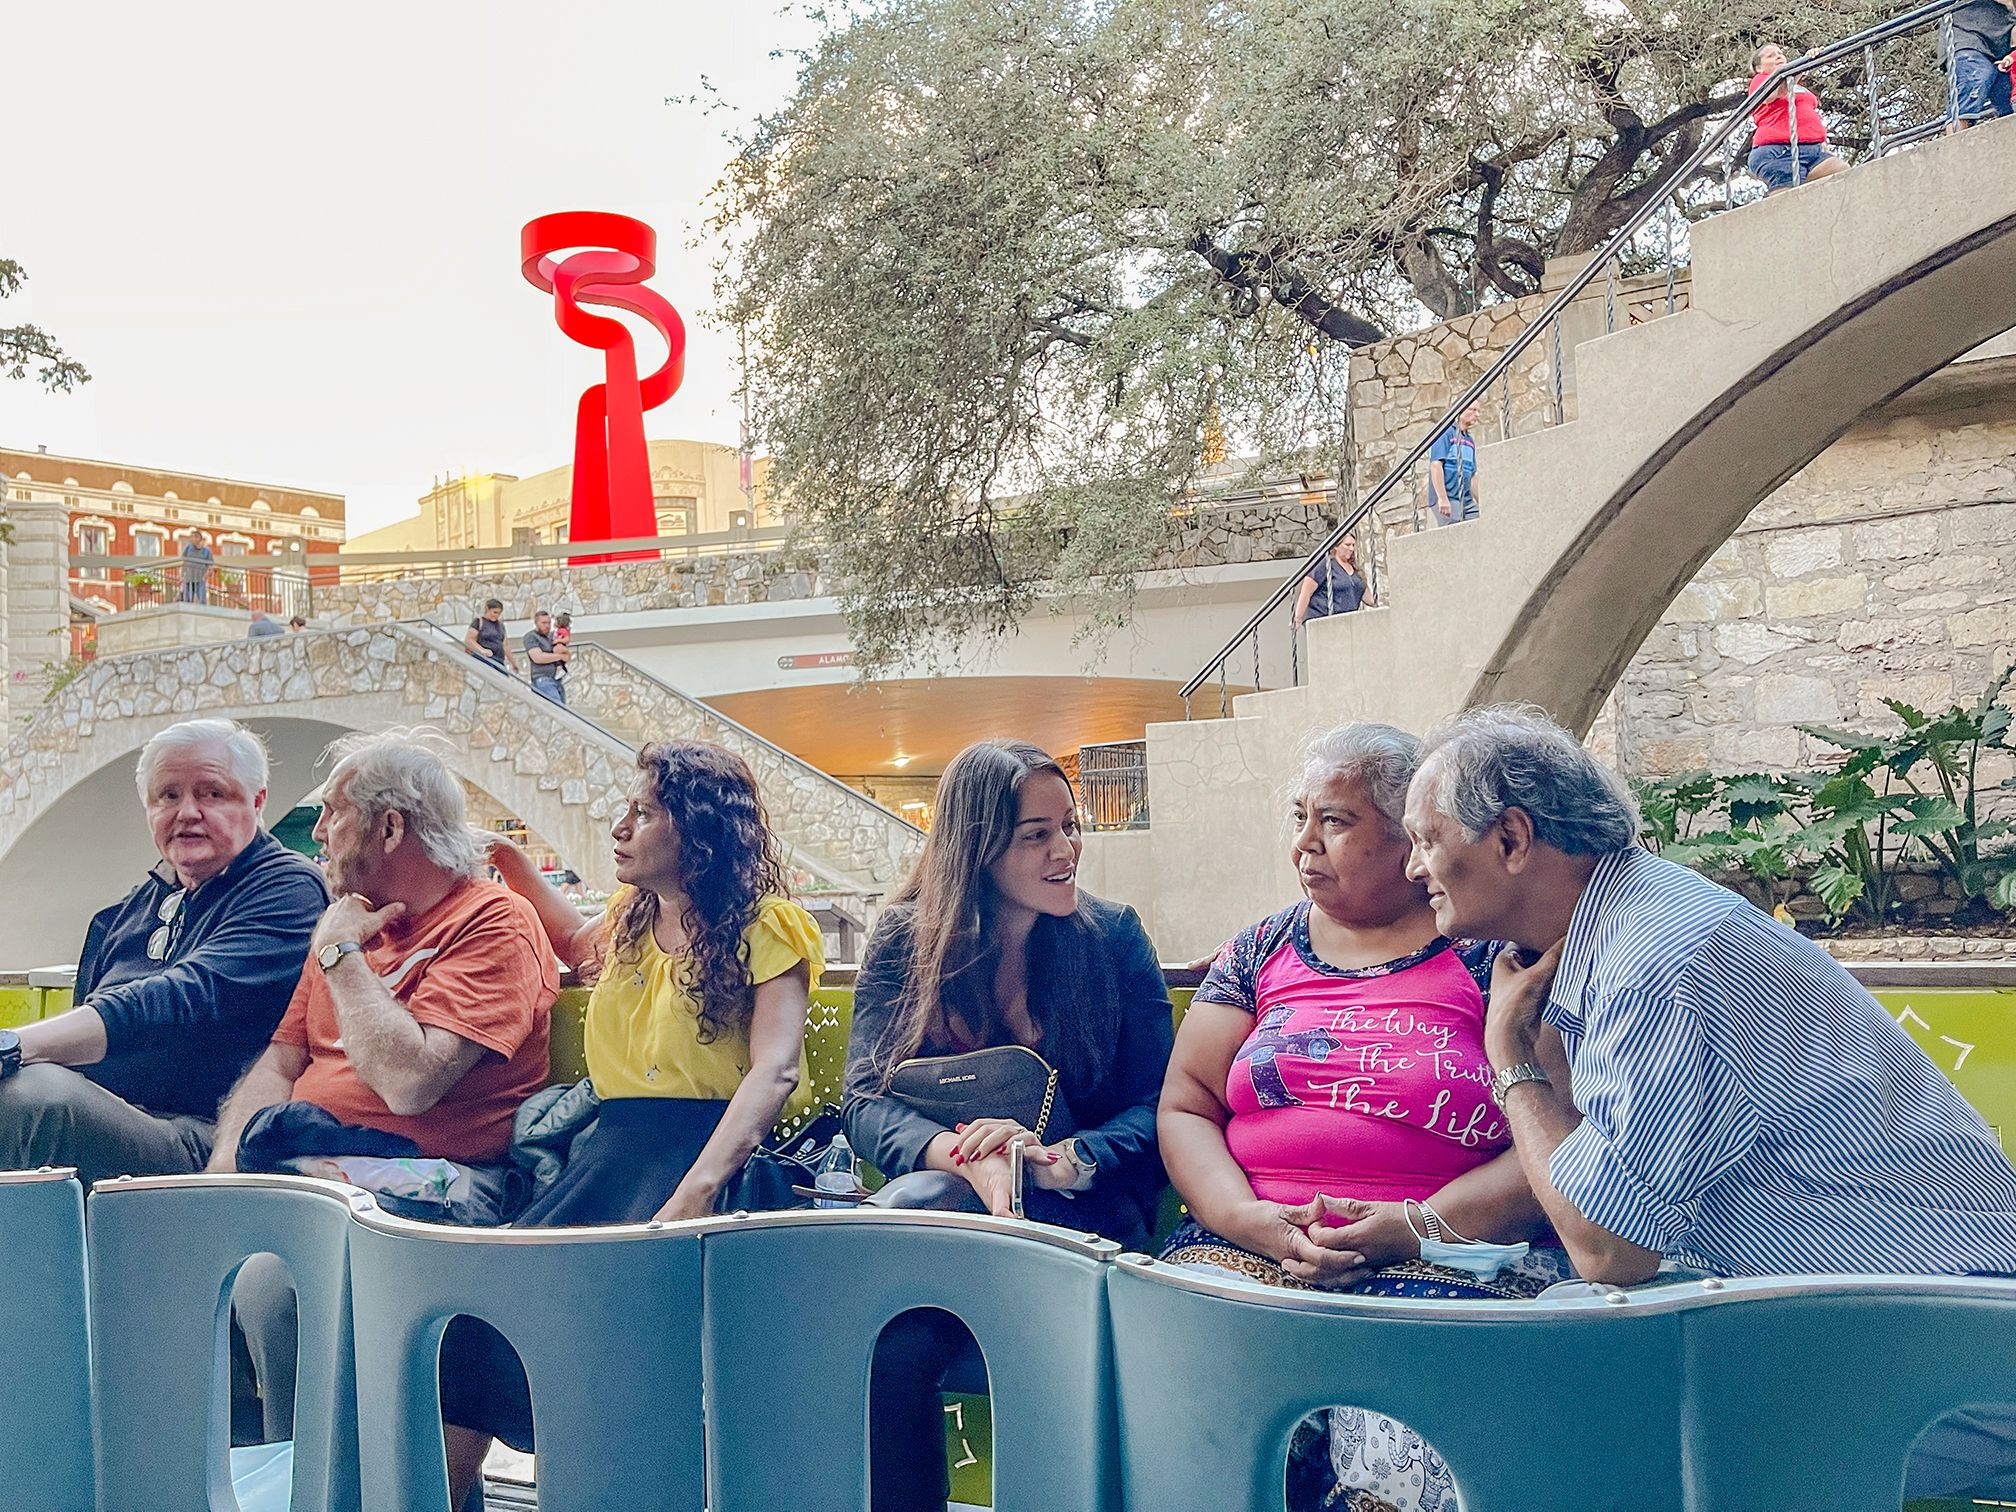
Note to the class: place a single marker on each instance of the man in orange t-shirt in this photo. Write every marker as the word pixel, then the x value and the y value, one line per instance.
pixel 425 1005
pixel 423 1010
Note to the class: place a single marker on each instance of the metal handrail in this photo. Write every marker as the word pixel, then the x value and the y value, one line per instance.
pixel 1548 321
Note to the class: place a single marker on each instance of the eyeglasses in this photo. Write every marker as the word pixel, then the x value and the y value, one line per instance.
pixel 159 942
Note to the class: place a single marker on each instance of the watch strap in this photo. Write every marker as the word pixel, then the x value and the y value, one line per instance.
pixel 1512 1076
pixel 1081 1157
pixel 334 953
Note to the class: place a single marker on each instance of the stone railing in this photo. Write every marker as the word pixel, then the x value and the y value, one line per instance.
pixel 808 809
pixel 1269 525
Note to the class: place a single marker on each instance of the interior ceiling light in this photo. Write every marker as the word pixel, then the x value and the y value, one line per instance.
pixel 899 761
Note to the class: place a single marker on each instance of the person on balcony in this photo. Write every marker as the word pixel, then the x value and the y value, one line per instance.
pixel 1771 140
pixel 179 984
pixel 547 656
pixel 196 560
pixel 990 953
pixel 695 1036
pixel 485 640
pixel 1325 1116
pixel 1452 471
pixel 1336 587
pixel 418 1026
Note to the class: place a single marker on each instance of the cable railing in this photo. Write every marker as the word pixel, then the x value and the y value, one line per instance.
pixel 1609 262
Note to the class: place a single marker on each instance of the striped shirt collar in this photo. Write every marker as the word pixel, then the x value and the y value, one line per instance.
pixel 1578 955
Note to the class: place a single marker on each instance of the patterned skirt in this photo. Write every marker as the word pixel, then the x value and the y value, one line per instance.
pixel 1347 1459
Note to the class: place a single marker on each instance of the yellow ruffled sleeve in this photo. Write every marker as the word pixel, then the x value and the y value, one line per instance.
pixel 781 936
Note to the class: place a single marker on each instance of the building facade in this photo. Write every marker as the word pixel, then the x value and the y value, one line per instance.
pixel 696 485
pixel 118 510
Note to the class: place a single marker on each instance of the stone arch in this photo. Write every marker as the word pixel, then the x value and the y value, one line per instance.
pixel 71 834
pixel 1807 311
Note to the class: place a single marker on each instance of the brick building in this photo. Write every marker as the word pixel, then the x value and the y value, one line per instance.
pixel 117 510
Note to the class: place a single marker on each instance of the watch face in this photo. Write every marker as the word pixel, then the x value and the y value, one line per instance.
pixel 329 955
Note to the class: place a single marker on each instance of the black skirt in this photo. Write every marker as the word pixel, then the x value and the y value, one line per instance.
pixel 621 1171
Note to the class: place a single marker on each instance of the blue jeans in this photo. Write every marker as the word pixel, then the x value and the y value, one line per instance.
pixel 1462 506
pixel 1982 87
pixel 1773 162
pixel 549 688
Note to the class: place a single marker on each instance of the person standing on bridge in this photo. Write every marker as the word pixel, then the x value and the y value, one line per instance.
pixel 547 656
pixel 1452 470
pixel 1774 124
pixel 485 640
pixel 196 560
pixel 180 984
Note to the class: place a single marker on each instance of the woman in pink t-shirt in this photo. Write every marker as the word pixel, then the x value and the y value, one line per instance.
pixel 1327 1115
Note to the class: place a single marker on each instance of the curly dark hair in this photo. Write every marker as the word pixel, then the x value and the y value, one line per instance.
pixel 728 863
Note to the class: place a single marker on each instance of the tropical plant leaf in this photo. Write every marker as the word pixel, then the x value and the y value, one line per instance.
pixel 1931 815
pixel 2004 895
pixel 1913 718
pixel 1837 888
pixel 1847 740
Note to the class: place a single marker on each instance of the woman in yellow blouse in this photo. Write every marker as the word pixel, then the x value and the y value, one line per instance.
pixel 695 1035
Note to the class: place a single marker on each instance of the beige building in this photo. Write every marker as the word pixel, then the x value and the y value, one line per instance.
pixel 696 484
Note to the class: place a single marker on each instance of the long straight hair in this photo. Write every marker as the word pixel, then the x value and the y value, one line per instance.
pixel 955 946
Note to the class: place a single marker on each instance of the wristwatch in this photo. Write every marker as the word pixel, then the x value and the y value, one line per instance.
pixel 329 955
pixel 10 1053
pixel 1511 1076
pixel 1081 1157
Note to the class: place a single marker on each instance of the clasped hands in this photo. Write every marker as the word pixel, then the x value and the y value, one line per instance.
pixel 981 1156
pixel 1332 1242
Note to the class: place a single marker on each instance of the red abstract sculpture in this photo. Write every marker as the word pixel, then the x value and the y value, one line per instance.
pixel 594 257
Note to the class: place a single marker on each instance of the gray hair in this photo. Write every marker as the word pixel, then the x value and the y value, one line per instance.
pixel 400 771
pixel 244 752
pixel 1377 756
pixel 1513 756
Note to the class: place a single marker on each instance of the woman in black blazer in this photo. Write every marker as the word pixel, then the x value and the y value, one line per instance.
pixel 990 943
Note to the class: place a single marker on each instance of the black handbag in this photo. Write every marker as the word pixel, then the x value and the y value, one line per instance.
pixel 1005 1081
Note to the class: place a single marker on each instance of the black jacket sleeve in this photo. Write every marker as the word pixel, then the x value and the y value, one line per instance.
pixel 886 1131
pixel 1124 1145
pixel 251 954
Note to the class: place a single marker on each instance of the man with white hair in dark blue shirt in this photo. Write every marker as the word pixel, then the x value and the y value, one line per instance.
pixel 179 984
pixel 1739 1103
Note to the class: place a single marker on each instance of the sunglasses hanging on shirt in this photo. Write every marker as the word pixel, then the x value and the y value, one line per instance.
pixel 162 940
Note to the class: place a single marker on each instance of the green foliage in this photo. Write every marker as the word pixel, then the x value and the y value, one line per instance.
pixel 1004 264
pixel 24 344
pixel 1895 801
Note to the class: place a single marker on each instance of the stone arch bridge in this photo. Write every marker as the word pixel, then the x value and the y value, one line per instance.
pixel 1808 310
pixel 72 837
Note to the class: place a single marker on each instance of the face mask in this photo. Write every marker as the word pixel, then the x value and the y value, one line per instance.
pixel 1480 1260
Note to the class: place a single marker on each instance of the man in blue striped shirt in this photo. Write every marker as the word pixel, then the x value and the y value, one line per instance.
pixel 1684 1078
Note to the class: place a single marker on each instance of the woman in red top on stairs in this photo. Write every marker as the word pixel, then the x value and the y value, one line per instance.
pixel 1771 147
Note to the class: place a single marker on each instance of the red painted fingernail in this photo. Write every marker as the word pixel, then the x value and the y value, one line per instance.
pixel 1053 1159
pixel 958 1128
pixel 957 1158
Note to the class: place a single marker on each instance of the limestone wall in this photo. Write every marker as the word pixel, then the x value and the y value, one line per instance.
pixel 1885 569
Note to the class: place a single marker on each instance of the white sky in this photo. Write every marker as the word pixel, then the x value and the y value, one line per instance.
pixel 285 239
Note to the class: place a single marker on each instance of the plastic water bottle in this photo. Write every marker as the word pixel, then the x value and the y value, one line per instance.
pixel 836 1174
